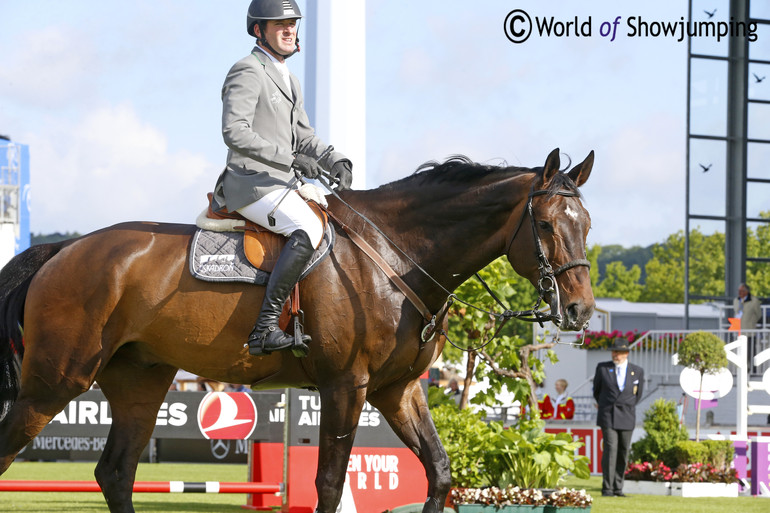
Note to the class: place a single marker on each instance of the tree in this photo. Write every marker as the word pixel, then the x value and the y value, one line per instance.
pixel 665 271
pixel 758 245
pixel 51 237
pixel 506 359
pixel 635 255
pixel 592 255
pixel 620 282
pixel 704 352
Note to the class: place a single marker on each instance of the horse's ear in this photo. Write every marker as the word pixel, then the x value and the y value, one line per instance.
pixel 551 167
pixel 579 174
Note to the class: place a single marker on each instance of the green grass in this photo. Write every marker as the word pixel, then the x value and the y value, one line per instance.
pixel 664 504
pixel 34 502
pixel 43 502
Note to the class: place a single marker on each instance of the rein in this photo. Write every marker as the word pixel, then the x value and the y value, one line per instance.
pixel 546 285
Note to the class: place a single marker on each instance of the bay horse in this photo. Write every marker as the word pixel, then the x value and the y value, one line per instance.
pixel 118 307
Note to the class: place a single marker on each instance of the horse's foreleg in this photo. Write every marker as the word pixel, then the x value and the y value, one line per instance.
pixel 135 394
pixel 405 408
pixel 340 410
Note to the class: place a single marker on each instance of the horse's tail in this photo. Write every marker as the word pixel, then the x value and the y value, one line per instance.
pixel 15 278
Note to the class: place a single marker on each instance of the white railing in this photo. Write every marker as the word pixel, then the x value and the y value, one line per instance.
pixel 654 349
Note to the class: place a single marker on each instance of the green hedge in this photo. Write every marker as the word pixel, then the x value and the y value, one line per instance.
pixel 716 452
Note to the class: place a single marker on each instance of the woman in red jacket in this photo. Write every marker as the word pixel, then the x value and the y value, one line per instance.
pixel 563 405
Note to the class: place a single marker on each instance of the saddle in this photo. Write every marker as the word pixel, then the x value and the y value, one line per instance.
pixel 260 245
pixel 261 249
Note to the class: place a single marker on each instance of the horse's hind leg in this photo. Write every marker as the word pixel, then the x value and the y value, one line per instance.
pixel 405 408
pixel 49 380
pixel 30 413
pixel 135 393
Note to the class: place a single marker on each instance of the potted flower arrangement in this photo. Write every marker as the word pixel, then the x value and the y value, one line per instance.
pixel 593 340
pixel 667 463
pixel 529 500
pixel 502 469
pixel 686 480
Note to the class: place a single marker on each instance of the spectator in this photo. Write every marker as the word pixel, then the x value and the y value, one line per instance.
pixel 544 403
pixel 453 391
pixel 747 308
pixel 563 404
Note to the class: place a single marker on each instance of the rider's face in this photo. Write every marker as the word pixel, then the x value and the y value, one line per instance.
pixel 281 35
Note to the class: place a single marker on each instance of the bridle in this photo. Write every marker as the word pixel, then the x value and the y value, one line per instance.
pixel 547 287
pixel 546 283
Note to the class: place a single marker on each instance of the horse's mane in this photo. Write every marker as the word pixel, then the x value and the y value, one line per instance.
pixel 459 168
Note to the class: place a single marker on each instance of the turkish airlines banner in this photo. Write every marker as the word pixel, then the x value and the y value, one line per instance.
pixel 201 415
pixel 373 430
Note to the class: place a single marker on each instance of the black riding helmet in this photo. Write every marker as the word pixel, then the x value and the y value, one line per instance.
pixel 262 10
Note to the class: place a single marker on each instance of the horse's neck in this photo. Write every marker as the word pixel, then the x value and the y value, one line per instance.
pixel 450 233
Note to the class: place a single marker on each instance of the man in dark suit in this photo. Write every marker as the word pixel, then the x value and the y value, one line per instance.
pixel 617 388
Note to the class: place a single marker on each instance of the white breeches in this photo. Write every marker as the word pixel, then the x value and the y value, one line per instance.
pixel 292 214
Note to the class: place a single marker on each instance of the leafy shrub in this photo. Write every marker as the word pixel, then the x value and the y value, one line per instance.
pixel 529 457
pixel 687 452
pixel 720 453
pixel 703 351
pixel 437 397
pixel 482 454
pixel 716 453
pixel 662 432
pixel 467 439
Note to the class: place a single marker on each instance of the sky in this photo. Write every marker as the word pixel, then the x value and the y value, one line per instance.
pixel 120 103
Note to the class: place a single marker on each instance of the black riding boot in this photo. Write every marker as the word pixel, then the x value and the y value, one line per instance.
pixel 266 336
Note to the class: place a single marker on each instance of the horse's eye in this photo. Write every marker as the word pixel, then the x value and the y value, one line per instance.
pixel 545 226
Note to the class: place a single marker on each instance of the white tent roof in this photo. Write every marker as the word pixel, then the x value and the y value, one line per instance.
pixel 614 305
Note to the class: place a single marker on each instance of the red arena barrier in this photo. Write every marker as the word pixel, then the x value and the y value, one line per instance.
pixel 10 485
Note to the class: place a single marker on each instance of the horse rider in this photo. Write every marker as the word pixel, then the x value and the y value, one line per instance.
pixel 268 135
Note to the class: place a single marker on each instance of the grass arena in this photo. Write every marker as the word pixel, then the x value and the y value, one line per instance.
pixel 54 502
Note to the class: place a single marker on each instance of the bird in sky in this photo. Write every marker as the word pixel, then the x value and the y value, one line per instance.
pixel 710 14
pixel 758 78
pixel 705 168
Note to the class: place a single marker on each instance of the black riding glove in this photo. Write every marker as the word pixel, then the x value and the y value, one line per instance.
pixel 307 166
pixel 342 171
